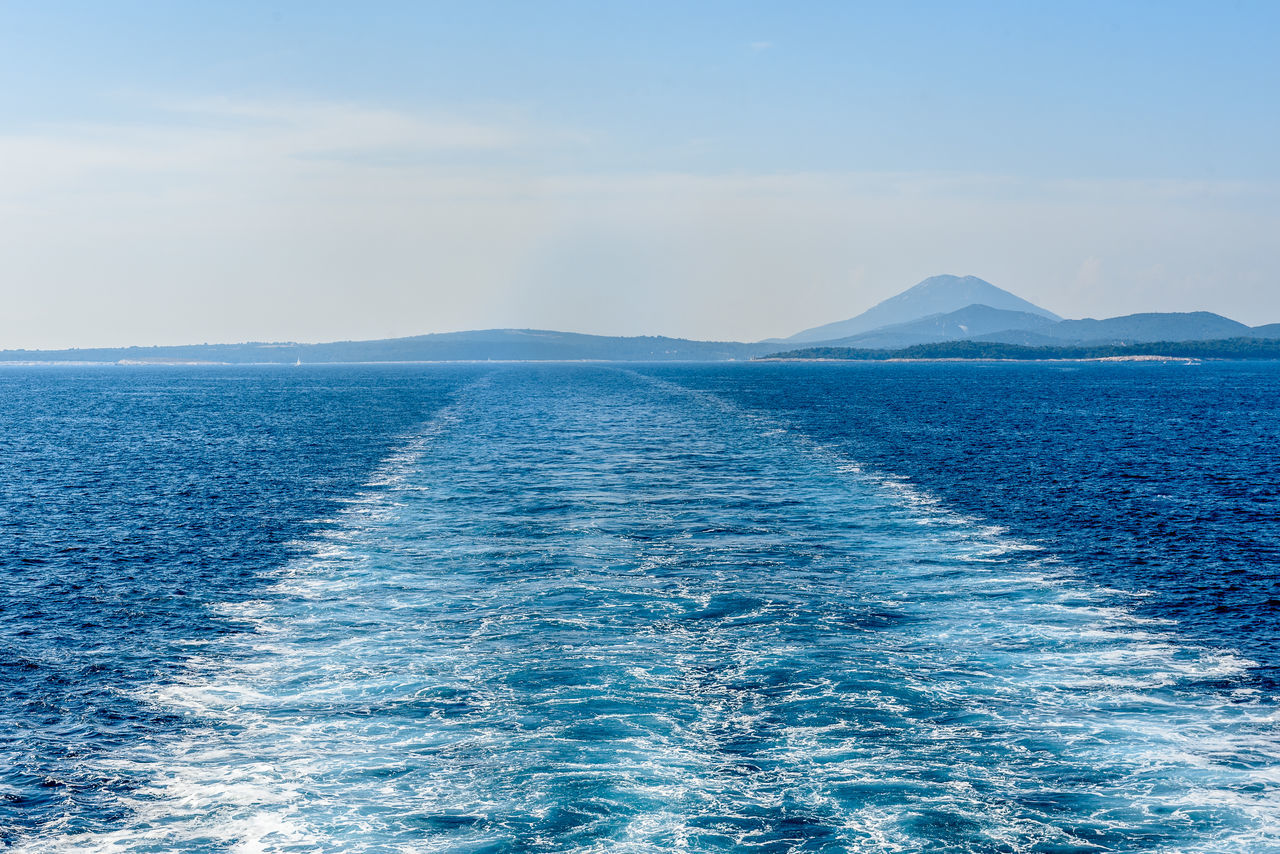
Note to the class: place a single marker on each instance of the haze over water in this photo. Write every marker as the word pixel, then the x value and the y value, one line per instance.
pixel 607 608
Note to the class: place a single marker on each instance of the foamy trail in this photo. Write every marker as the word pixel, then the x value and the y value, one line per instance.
pixel 589 611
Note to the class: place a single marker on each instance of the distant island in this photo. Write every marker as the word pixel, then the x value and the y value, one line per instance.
pixel 942 317
pixel 479 346
pixel 1229 348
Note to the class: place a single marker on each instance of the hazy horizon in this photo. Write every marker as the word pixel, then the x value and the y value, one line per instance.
pixel 736 172
pixel 779 338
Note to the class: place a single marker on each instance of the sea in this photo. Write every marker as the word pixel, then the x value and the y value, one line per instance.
pixel 759 607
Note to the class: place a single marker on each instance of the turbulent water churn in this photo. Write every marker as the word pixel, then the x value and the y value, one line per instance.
pixel 578 608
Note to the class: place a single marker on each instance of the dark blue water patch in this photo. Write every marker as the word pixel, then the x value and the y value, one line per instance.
pixel 590 608
pixel 478 653
pixel 131 499
pixel 1162 478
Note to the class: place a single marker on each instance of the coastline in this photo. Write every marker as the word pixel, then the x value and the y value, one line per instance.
pixel 1136 358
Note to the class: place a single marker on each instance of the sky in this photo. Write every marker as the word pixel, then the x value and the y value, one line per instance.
pixel 311 171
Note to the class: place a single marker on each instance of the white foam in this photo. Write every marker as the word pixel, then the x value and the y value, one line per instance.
pixel 328 718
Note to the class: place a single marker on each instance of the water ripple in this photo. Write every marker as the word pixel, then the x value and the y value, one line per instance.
pixel 590 611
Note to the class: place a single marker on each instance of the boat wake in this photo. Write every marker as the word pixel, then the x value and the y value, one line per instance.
pixel 587 610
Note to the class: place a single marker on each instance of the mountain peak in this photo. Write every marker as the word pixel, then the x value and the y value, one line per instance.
pixel 946 280
pixel 935 295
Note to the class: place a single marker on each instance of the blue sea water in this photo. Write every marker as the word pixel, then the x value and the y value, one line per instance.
pixel 640 608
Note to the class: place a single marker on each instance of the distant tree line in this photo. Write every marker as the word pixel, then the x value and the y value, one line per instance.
pixel 1229 348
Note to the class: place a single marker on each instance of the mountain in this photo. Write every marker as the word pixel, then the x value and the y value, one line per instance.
pixel 968 322
pixel 480 345
pixel 1231 348
pixel 978 322
pixel 934 296
pixel 1131 328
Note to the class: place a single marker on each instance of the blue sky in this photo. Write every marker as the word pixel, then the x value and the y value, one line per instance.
pixel 308 170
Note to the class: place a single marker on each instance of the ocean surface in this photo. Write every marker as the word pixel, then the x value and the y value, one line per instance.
pixel 640 608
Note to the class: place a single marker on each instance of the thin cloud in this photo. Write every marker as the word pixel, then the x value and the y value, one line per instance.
pixel 234 220
pixel 218 136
